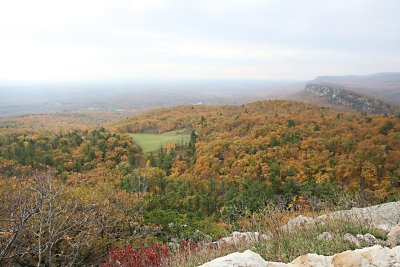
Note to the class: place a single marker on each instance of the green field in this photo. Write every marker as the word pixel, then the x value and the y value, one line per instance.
pixel 153 142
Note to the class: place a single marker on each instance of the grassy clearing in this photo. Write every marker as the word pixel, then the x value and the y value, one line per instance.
pixel 153 142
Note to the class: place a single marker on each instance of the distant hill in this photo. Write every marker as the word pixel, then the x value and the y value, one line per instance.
pixel 339 97
pixel 385 86
pixel 374 94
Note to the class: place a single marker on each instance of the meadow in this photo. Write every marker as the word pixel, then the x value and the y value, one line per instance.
pixel 153 142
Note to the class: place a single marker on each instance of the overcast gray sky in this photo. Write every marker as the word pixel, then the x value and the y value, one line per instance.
pixel 72 40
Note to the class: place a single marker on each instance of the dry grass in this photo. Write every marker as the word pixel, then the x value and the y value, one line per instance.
pixel 205 254
pixel 283 246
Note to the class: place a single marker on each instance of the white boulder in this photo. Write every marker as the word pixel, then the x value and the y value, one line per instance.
pixel 352 239
pixel 365 257
pixel 369 240
pixel 394 236
pixel 237 259
pixel 325 236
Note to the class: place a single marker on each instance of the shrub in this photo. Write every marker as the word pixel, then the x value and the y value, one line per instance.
pixel 151 256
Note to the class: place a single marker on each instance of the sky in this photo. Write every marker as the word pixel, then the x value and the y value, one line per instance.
pixel 94 40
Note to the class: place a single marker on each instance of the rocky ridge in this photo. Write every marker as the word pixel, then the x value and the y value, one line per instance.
pixel 339 96
pixel 375 253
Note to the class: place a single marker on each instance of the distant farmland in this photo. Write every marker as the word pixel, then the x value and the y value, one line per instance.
pixel 153 142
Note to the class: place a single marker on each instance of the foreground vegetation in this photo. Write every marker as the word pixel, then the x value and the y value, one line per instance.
pixel 75 197
pixel 286 246
pixel 281 246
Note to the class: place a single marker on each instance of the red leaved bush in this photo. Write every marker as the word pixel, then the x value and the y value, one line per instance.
pixel 128 256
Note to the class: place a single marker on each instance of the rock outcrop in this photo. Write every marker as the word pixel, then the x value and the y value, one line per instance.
pixel 366 257
pixel 352 240
pixel 240 238
pixel 237 259
pixel 369 240
pixel 325 236
pixel 384 217
pixel 393 236
pixel 338 96
pixel 298 222
pixel 366 240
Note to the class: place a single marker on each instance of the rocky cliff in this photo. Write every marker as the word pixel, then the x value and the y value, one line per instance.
pixel 336 96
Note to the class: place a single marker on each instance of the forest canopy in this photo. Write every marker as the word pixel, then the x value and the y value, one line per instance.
pixel 101 191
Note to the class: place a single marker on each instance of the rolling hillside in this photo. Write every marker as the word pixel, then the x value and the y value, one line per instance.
pixel 99 186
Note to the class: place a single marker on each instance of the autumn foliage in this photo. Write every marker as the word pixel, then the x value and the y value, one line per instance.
pixel 284 143
pixel 151 256
pixel 240 160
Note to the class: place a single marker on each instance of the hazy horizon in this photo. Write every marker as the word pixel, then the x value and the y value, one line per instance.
pixel 80 41
pixel 129 96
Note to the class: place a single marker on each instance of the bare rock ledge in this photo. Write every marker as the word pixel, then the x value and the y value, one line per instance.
pixel 365 257
pixel 384 216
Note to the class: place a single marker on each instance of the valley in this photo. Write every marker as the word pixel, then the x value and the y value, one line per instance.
pixel 169 133
pixel 186 175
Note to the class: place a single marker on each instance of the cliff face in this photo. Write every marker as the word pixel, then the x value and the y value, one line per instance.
pixel 385 86
pixel 336 95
